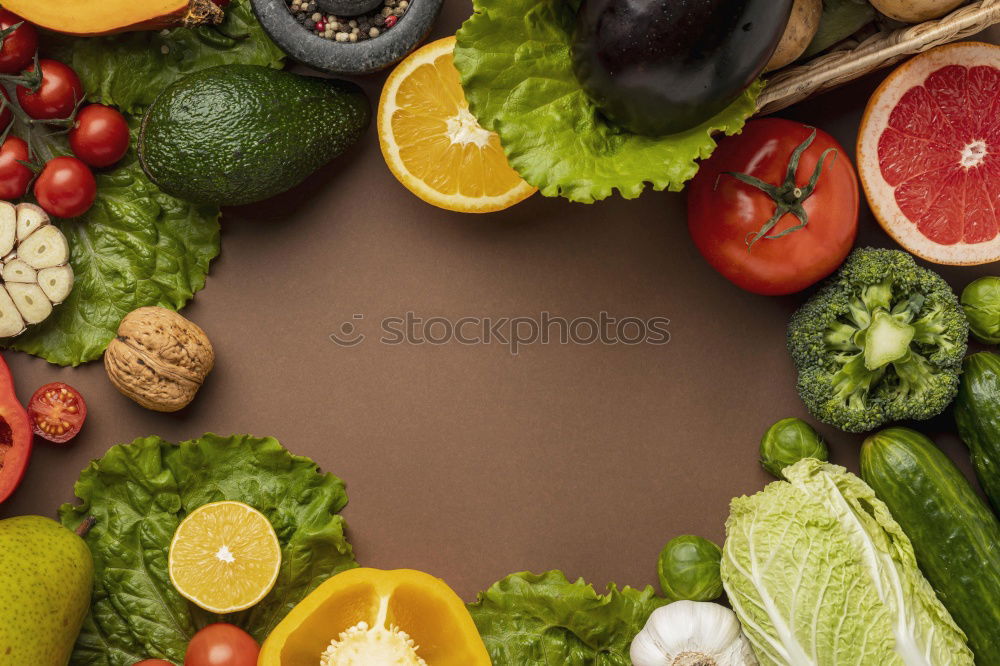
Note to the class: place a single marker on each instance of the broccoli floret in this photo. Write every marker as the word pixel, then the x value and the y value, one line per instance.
pixel 883 340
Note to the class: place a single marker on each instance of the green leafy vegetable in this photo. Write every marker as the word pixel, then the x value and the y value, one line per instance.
pixel 139 493
pixel 820 573
pixel 129 70
pixel 545 619
pixel 514 58
pixel 135 247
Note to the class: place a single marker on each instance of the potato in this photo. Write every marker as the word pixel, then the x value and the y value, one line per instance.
pixel 799 33
pixel 916 11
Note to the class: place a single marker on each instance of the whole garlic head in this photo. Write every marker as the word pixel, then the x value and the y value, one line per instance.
pixel 692 633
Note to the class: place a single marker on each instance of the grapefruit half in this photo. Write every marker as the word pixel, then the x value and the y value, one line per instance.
pixel 929 154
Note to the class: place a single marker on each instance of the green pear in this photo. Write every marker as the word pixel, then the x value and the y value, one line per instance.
pixel 46 575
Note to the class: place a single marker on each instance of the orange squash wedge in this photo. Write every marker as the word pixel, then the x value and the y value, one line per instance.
pixel 89 18
pixel 370 616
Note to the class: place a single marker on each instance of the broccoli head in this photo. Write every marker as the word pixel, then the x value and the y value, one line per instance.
pixel 881 341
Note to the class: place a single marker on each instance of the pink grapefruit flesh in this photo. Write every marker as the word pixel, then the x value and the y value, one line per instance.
pixel 929 154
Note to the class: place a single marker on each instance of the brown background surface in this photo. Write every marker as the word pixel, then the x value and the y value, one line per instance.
pixel 466 461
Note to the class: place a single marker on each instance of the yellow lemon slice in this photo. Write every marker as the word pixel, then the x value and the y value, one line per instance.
pixel 435 146
pixel 224 557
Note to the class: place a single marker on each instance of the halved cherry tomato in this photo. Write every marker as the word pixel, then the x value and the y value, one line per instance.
pixel 19 46
pixel 14 176
pixel 100 135
pixel 58 95
pixel 15 436
pixel 222 644
pixel 735 223
pixel 57 412
pixel 66 187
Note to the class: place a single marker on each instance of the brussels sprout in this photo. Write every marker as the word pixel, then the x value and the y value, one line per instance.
pixel 689 569
pixel 981 302
pixel 789 441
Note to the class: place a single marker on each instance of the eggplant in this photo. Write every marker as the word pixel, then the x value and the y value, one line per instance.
pixel 659 67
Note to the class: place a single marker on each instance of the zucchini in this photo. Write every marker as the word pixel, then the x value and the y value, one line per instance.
pixel 977 411
pixel 955 535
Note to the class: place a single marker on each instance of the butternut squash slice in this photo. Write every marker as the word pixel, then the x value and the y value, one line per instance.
pixel 90 18
pixel 364 617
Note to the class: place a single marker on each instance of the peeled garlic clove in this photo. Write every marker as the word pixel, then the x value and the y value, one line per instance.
pixel 56 282
pixel 16 270
pixel 8 227
pixel 45 248
pixel 29 218
pixel 11 323
pixel 31 301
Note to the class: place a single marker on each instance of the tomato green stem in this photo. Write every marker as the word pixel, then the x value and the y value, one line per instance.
pixel 788 197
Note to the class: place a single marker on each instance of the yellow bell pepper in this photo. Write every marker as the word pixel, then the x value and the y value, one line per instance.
pixel 368 616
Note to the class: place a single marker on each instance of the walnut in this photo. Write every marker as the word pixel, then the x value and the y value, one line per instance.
pixel 159 359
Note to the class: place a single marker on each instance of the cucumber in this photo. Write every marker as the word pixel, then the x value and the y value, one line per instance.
pixel 955 535
pixel 977 411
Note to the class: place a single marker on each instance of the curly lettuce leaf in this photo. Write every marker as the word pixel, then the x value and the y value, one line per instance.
pixel 820 573
pixel 139 493
pixel 545 619
pixel 135 247
pixel 129 70
pixel 514 58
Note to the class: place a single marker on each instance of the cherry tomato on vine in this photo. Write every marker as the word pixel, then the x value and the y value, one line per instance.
pixel 58 95
pixel 775 209
pixel 222 645
pixel 19 46
pixel 66 187
pixel 57 412
pixel 100 136
pixel 14 176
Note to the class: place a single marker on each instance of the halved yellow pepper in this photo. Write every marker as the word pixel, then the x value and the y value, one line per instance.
pixel 422 606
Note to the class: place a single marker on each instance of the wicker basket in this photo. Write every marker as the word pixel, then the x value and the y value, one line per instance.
pixel 829 70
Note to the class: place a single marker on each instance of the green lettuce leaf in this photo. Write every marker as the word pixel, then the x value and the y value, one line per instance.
pixel 129 70
pixel 819 573
pixel 139 492
pixel 514 59
pixel 545 619
pixel 135 247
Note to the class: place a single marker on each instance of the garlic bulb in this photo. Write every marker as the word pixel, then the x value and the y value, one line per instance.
pixel 692 633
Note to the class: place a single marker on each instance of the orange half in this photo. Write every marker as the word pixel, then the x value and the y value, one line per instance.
pixel 435 146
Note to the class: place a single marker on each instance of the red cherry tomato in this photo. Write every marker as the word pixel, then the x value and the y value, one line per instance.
pixel 66 187
pixel 57 412
pixel 222 645
pixel 14 176
pixel 729 218
pixel 58 94
pixel 100 135
pixel 19 47
pixel 153 662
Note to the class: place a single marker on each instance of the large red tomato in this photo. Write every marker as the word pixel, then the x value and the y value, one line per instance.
pixel 775 209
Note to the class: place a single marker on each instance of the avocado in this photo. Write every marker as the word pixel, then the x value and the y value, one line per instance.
pixel 658 67
pixel 237 134
pixel 46 576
